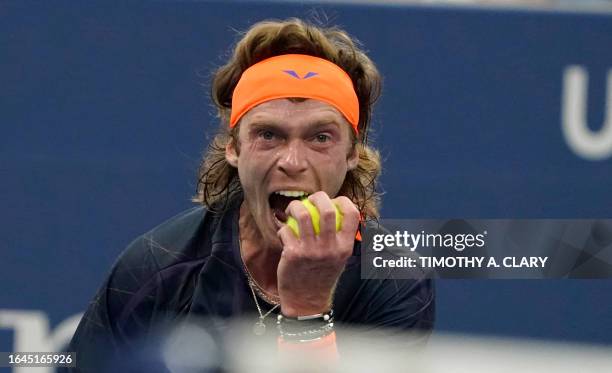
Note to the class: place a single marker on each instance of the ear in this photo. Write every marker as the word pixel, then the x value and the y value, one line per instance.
pixel 230 154
pixel 353 158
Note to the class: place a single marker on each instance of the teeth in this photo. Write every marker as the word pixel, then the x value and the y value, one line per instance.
pixel 292 193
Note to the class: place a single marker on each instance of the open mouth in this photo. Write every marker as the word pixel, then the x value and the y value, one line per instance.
pixel 280 200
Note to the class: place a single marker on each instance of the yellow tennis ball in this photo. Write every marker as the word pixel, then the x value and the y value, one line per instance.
pixel 314 216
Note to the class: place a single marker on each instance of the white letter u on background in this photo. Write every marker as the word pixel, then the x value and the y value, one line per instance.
pixel 584 142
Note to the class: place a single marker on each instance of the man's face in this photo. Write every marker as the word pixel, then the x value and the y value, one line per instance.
pixel 287 148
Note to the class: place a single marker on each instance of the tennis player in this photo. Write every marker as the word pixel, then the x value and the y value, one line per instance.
pixel 294 103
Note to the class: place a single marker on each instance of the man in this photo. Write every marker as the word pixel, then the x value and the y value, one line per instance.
pixel 294 103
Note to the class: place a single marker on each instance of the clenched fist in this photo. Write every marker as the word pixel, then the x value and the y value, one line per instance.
pixel 310 265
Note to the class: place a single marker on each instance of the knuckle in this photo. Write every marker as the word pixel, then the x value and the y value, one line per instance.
pixel 302 216
pixel 352 207
pixel 293 204
pixel 327 213
pixel 346 202
pixel 319 195
pixel 343 199
pixel 353 211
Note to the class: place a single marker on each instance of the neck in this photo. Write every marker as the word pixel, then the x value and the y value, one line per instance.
pixel 261 260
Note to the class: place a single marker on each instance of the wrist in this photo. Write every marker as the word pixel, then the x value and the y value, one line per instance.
pixel 313 307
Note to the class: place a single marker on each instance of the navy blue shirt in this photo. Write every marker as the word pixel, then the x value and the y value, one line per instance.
pixel 190 266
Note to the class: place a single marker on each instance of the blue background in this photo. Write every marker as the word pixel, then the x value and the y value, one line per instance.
pixel 104 114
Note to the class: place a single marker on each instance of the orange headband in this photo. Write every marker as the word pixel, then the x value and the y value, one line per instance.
pixel 295 75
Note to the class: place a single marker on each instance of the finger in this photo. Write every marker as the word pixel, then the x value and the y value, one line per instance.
pixel 287 237
pixel 350 215
pixel 299 212
pixel 327 214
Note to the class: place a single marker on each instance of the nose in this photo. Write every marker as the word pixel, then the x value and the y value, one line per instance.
pixel 292 160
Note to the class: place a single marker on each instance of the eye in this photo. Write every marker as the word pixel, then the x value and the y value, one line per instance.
pixel 266 134
pixel 322 138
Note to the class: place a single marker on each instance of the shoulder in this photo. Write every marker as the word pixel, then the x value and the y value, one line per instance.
pixel 157 270
pixel 178 245
pixel 182 240
pixel 152 282
pixel 172 241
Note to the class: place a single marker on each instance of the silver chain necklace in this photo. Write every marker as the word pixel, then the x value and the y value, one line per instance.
pixel 260 327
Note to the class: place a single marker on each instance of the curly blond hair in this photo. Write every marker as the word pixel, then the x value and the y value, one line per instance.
pixel 218 181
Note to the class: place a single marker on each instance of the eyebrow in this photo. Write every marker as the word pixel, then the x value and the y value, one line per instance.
pixel 265 124
pixel 324 123
pixel 260 123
